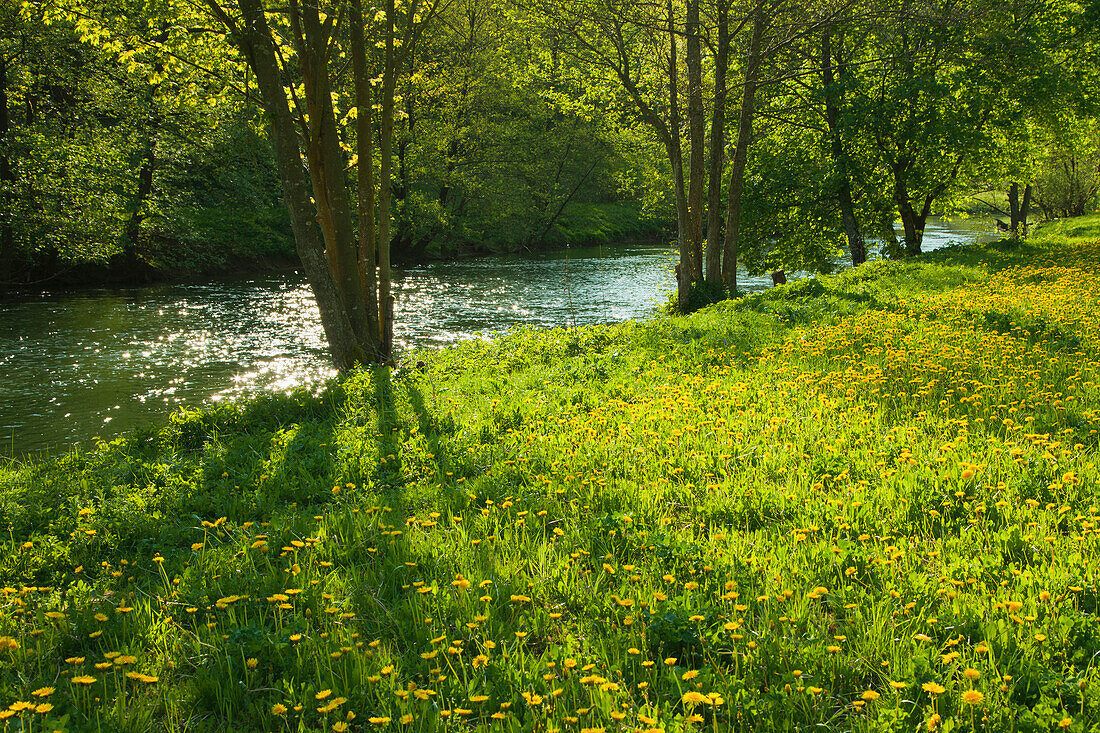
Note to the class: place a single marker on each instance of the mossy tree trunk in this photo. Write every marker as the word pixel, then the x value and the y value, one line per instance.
pixel 348 268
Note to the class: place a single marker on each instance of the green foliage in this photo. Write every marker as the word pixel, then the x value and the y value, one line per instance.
pixel 1066 183
pixel 877 487
pixel 216 205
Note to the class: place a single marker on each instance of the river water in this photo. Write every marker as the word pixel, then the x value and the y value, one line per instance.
pixel 95 362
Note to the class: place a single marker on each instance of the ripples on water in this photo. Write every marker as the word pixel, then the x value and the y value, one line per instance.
pixel 97 362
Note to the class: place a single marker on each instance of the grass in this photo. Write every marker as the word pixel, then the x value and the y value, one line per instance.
pixel 865 502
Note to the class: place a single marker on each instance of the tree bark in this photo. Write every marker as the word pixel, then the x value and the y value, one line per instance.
pixel 258 47
pixel 1014 210
pixel 852 231
pixel 7 184
pixel 741 152
pixel 131 263
pixel 326 165
pixel 364 149
pixel 385 294
pixel 1025 209
pixel 912 221
pixel 717 148
pixel 696 132
pixel 684 280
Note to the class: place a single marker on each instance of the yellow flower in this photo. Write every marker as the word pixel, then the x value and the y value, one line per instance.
pixel 406 718
pixel 870 696
pixel 138 676
pixel 278 709
pixel 43 692
pixel 84 679
pixel 973 697
pixel 693 698
pixel 933 688
pixel 379 720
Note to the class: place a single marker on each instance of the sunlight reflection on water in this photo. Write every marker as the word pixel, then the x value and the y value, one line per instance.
pixel 100 361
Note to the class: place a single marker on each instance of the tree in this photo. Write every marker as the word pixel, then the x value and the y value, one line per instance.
pixel 348 268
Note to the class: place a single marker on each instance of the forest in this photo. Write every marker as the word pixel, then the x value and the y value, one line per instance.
pixel 136 138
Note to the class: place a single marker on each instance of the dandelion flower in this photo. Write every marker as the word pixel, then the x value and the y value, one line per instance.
pixel 973 697
pixel 693 698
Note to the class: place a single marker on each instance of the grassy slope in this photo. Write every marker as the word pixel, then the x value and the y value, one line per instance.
pixel 867 502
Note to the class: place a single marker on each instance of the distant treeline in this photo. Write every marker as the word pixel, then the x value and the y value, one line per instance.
pixel 119 163
pixel 762 133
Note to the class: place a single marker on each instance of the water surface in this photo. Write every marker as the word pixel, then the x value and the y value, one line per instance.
pixel 95 362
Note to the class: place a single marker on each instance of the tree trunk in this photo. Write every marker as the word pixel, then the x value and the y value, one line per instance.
pixel 7 185
pixel 696 132
pixel 364 150
pixel 912 223
pixel 741 153
pixel 132 265
pixel 856 245
pixel 684 280
pixel 889 236
pixel 326 165
pixel 258 47
pixel 717 149
pixel 1025 209
pixel 1014 210
pixel 385 294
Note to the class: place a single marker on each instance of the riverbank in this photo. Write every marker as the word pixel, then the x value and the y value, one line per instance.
pixel 166 261
pixel 866 502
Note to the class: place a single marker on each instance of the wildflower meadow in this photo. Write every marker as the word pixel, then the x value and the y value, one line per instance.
pixel 862 502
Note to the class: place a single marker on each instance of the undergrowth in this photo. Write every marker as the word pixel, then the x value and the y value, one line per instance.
pixel 863 502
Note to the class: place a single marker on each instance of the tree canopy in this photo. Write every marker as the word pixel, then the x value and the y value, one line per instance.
pixel 767 134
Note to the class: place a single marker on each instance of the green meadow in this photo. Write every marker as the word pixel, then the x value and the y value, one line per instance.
pixel 861 502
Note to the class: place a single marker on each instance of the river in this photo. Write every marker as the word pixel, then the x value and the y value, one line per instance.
pixel 95 362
